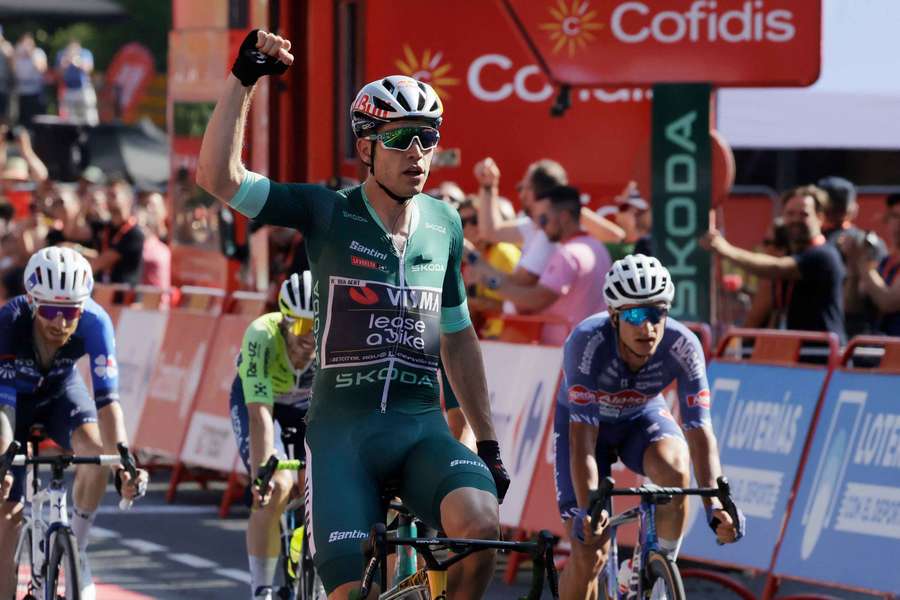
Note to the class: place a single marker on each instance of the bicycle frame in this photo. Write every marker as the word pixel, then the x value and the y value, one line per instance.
pixel 645 512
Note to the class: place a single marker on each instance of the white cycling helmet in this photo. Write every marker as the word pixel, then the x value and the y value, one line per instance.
pixel 59 275
pixel 294 299
pixel 638 279
pixel 392 99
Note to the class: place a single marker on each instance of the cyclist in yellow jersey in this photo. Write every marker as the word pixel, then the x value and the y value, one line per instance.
pixel 271 392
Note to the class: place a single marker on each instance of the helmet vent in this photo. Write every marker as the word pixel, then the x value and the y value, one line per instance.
pixel 388 85
pixel 421 102
pixel 382 105
pixel 62 280
pixel 401 99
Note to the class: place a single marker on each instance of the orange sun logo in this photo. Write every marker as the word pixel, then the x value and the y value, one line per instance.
pixel 572 25
pixel 428 68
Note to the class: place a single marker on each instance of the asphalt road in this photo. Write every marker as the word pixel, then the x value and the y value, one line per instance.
pixel 184 550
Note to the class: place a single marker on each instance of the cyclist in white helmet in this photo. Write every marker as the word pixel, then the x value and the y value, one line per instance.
pixel 271 394
pixel 385 260
pixel 43 333
pixel 610 406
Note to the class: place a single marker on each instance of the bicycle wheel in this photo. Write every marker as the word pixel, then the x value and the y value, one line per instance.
pixel 24 563
pixel 63 579
pixel 663 581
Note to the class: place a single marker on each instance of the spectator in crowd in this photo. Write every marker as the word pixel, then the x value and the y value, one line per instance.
pixel 449 192
pixel 93 217
pixel 62 212
pixel 570 287
pixel 7 212
pixel 29 66
pixel 768 308
pixel 25 167
pixel 157 256
pixel 74 65
pixel 814 274
pixel 632 214
pixel 878 279
pixel 121 240
pixel 6 75
pixel 501 256
pixel 13 258
pixel 860 315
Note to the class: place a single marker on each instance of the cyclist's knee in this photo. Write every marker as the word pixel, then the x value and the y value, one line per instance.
pixel 10 516
pixel 667 463
pixel 470 513
pixel 282 483
pixel 86 440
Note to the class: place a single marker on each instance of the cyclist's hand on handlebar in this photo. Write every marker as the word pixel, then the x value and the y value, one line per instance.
pixel 489 452
pixel 726 530
pixel 262 499
pixel 261 53
pixel 586 531
pixel 131 489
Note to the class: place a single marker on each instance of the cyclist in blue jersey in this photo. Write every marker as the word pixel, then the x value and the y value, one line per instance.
pixel 42 335
pixel 610 405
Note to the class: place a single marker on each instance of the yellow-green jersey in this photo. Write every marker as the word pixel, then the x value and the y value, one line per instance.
pixel 266 372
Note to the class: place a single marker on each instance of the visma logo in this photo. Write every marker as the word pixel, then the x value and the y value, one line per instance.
pixel 637 22
pixel 428 68
pixel 572 26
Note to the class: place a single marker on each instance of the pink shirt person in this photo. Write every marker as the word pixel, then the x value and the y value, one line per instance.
pixel 576 271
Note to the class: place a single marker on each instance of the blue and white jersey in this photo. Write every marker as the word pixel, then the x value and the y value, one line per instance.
pixel 20 373
pixel 600 388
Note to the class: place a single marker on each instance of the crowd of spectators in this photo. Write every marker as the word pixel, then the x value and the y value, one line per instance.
pixel 121 230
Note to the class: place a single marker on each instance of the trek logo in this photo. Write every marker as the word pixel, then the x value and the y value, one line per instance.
pixel 700 399
pixel 357 247
pixel 365 263
pixel 434 227
pixel 637 22
pixel 345 380
pixel 364 295
pixel 339 536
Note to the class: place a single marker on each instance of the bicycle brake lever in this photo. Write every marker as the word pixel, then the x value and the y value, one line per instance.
pixel 7 458
pixel 724 496
pixel 599 498
pixel 129 465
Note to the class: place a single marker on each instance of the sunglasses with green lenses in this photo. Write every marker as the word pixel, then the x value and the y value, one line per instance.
pixel 402 138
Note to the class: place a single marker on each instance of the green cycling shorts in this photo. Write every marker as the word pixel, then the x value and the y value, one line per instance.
pixel 349 461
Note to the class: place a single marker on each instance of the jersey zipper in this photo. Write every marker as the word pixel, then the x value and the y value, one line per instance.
pixel 390 372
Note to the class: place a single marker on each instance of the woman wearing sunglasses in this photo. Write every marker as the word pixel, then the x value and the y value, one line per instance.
pixel 271 394
pixel 610 405
pixel 43 333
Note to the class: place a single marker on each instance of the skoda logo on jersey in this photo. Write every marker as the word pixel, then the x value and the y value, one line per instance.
pixel 438 228
pixel 364 295
pixel 428 267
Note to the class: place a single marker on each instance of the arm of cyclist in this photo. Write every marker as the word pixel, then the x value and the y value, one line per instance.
pixel 262 444
pixel 585 477
pixel 694 398
pixel 7 393
pixel 461 354
pixel 7 431
pixel 101 348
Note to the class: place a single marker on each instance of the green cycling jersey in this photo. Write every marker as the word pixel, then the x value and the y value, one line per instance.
pixel 266 372
pixel 379 312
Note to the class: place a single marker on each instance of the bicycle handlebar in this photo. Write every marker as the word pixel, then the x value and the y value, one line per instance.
pixel 599 498
pixel 129 465
pixel 65 461
pixel 267 471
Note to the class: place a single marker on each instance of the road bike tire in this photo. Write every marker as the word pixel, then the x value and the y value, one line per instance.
pixel 662 571
pixel 24 562
pixel 63 559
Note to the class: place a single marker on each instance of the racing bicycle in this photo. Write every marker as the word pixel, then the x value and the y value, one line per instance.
pixel 654 575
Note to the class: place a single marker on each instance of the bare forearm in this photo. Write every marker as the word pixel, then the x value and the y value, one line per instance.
pixel 582 462
pixel 887 299
pixel 764 265
pixel 600 228
pixel 262 435
pixel 704 456
pixel 527 298
pixel 219 168
pixel 461 354
pixel 112 427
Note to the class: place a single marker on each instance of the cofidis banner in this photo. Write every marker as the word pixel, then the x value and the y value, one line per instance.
pixel 845 526
pixel 761 416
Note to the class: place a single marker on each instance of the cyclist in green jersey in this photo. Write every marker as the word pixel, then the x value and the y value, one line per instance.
pixel 389 301
pixel 270 394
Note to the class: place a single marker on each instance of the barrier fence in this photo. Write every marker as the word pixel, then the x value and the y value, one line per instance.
pixel 812 448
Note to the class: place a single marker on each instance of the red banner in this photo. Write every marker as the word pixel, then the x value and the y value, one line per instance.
pixel 126 81
pixel 723 42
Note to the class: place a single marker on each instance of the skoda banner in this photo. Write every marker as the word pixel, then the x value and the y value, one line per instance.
pixel 682 184
pixel 845 525
pixel 761 416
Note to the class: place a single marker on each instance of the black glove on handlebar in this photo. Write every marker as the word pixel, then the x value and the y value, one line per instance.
pixel 251 64
pixel 489 452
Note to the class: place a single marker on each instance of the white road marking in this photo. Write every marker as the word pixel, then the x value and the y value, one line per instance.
pixel 236 574
pixel 143 546
pixel 193 561
pixel 103 534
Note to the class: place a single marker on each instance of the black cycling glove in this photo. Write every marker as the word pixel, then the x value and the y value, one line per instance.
pixel 251 64
pixel 489 452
